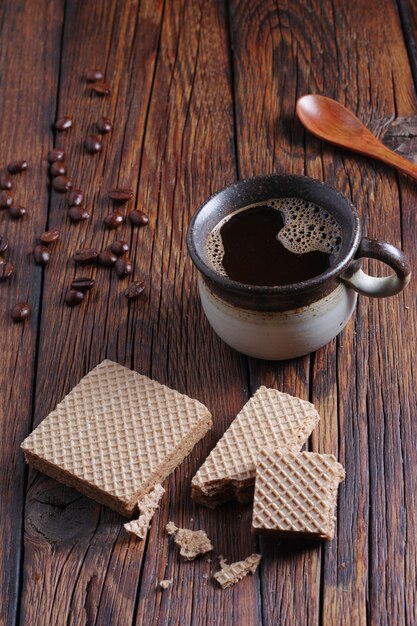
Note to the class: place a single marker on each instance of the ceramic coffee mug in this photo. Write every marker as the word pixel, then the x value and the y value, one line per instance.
pixel 288 321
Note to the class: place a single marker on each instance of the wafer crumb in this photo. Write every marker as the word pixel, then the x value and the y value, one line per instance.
pixel 230 574
pixel 164 584
pixel 191 543
pixel 147 508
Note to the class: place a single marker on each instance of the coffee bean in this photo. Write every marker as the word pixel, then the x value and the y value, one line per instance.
pixel 20 312
pixel 75 197
pixel 58 168
pixel 93 144
pixel 120 195
pixel 63 123
pixel 93 76
pixel 114 220
pixel 61 184
pixel 49 236
pixel 74 297
pixel 6 270
pixel 134 290
pixel 102 89
pixel 5 180
pixel 104 125
pixel 57 154
pixel 107 258
pixel 78 214
pixel 17 167
pixel 4 244
pixel 119 247
pixel 17 212
pixel 83 284
pixel 41 255
pixel 6 199
pixel 123 267
pixel 85 255
pixel 137 218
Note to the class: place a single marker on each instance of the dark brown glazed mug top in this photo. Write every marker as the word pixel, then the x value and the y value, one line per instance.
pixel 292 296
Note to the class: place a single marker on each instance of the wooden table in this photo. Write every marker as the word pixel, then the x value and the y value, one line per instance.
pixel 204 93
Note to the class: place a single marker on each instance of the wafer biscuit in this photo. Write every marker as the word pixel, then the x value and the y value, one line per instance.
pixel 230 574
pixel 192 543
pixel 116 435
pixel 269 418
pixel 147 507
pixel 296 493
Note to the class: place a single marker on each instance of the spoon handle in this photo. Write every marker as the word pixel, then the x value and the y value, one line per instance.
pixel 384 154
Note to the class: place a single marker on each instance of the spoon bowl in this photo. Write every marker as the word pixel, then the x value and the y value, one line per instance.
pixel 331 121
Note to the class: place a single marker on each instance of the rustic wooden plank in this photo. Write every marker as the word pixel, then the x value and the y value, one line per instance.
pixel 192 86
pixel 28 75
pixel 282 51
pixel 172 141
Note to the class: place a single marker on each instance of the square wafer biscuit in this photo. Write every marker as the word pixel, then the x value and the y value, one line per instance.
pixel 269 418
pixel 116 435
pixel 296 493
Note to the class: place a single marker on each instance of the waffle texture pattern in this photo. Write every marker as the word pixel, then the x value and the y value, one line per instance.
pixel 269 418
pixel 296 493
pixel 230 574
pixel 116 435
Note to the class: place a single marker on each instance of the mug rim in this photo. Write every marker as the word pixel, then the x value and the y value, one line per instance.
pixel 306 285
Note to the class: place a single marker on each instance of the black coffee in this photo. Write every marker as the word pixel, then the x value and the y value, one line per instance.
pixel 281 242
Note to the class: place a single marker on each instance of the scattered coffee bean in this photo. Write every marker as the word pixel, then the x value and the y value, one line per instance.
pixel 107 258
pixel 6 199
pixel 4 244
pixel 83 284
pixel 119 247
pixel 57 154
pixel 114 220
pixel 74 297
pixel 49 236
pixel 102 89
pixel 41 255
pixel 124 267
pixel 6 270
pixel 104 125
pixel 58 168
pixel 93 144
pixel 17 167
pixel 63 123
pixel 93 76
pixel 5 180
pixel 20 312
pixel 137 218
pixel 75 197
pixel 85 255
pixel 134 290
pixel 120 195
pixel 17 212
pixel 61 184
pixel 78 214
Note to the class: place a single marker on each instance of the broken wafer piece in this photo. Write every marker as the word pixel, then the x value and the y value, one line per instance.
pixel 164 584
pixel 269 418
pixel 192 543
pixel 116 435
pixel 296 493
pixel 230 574
pixel 147 508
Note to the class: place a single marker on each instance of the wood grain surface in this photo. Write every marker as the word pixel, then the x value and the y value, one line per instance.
pixel 203 93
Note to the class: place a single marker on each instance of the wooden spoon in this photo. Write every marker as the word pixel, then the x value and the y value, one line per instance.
pixel 329 120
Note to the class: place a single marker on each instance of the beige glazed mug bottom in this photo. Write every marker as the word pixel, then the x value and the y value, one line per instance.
pixel 279 335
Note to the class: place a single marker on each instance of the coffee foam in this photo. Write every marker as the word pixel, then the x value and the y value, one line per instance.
pixel 307 228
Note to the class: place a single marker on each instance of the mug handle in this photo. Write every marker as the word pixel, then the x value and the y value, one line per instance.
pixel 373 286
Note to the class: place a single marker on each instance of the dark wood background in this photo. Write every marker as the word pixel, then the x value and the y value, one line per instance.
pixel 204 93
